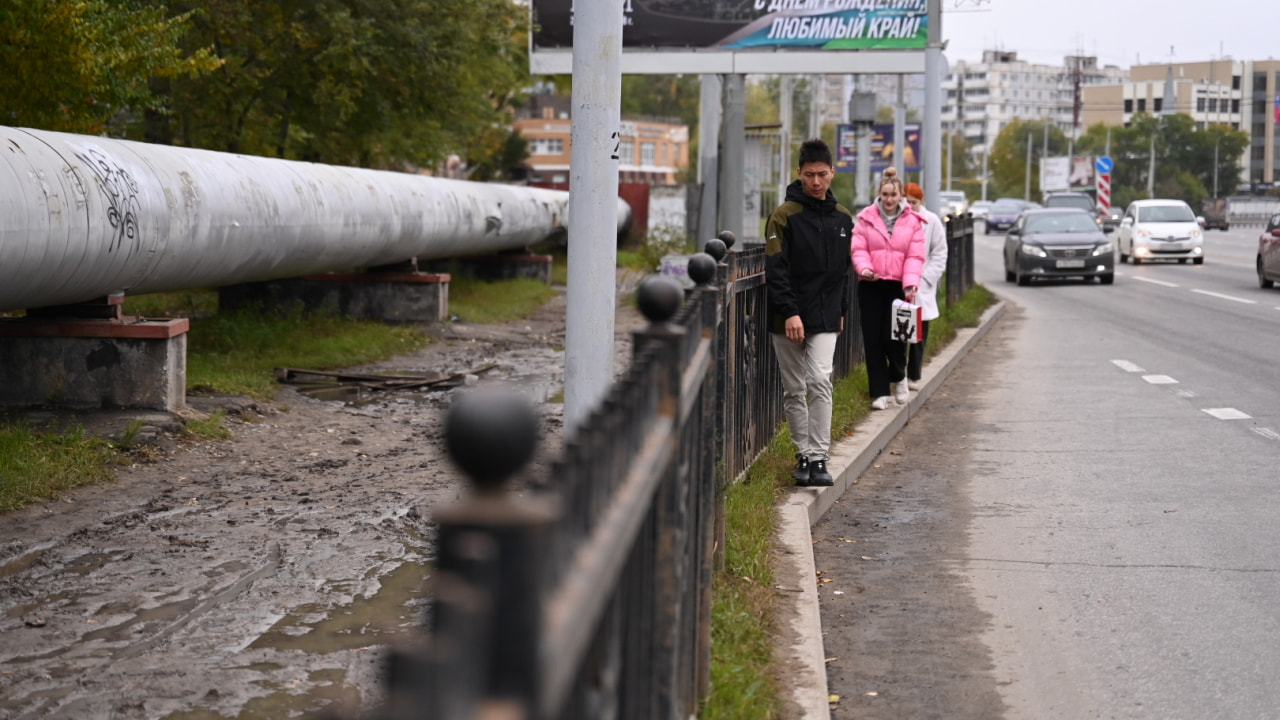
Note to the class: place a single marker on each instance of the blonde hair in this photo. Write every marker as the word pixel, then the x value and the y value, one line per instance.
pixel 890 177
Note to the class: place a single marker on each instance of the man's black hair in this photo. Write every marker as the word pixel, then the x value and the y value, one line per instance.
pixel 815 150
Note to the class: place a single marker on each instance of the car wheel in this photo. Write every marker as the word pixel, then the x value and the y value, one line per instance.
pixel 1107 279
pixel 1120 249
pixel 1198 261
pixel 1262 277
pixel 1010 277
pixel 1023 280
pixel 1135 259
pixel 1225 228
pixel 1182 261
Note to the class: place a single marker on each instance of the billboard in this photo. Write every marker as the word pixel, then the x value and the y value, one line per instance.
pixel 724 36
pixel 881 147
pixel 1082 173
pixel 1068 173
pixel 750 24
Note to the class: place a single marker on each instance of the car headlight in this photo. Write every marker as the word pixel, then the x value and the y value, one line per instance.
pixel 1102 249
pixel 1195 233
pixel 1034 250
pixel 1143 233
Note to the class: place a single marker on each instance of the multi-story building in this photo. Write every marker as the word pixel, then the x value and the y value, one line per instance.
pixel 982 98
pixel 1240 93
pixel 651 150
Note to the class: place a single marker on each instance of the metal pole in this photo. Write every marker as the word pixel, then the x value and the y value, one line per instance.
pixel 1215 168
pixel 1151 169
pixel 900 133
pixel 732 168
pixel 951 157
pixel 932 129
pixel 709 157
pixel 593 187
pixel 785 97
pixel 984 172
pixel 1026 192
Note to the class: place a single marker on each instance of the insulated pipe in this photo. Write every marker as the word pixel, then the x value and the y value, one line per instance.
pixel 82 217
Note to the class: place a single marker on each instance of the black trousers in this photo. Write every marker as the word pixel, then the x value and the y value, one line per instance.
pixel 915 353
pixel 886 359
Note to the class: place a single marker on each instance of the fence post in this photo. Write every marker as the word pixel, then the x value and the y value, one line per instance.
pixel 968 251
pixel 493 544
pixel 955 263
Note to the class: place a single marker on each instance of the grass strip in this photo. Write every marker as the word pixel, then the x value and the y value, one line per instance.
pixel 744 677
pixel 40 466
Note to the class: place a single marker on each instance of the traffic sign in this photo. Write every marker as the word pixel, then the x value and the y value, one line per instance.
pixel 1104 164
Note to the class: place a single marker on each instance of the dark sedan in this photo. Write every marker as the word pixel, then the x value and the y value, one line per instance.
pixel 1053 243
pixel 1269 253
pixel 1002 216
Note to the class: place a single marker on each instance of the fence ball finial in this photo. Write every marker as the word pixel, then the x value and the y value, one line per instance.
pixel 716 248
pixel 491 434
pixel 659 298
pixel 702 268
pixel 728 238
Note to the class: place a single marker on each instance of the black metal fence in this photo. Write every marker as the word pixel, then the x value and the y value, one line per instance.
pixel 591 599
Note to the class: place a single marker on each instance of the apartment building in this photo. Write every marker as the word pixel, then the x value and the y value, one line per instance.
pixel 982 98
pixel 1243 94
pixel 651 150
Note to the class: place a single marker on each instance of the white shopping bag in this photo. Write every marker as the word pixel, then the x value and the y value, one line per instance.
pixel 904 322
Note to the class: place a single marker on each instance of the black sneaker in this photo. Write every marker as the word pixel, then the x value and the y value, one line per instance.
pixel 801 474
pixel 818 475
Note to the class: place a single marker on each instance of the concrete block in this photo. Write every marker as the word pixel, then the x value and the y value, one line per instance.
pixel 384 297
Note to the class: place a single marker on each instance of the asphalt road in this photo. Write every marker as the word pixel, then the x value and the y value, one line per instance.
pixel 1126 533
pixel 1099 484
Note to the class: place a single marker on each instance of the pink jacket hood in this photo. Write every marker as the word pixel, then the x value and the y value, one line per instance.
pixel 900 257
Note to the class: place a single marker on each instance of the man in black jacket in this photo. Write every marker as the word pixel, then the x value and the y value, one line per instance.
pixel 807 269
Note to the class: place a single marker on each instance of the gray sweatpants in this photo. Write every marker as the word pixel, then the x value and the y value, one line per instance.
pixel 806 390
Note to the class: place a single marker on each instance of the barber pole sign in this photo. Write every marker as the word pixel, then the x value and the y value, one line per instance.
pixel 1104 166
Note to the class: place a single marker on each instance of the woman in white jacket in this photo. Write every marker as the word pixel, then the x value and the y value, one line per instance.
pixel 935 264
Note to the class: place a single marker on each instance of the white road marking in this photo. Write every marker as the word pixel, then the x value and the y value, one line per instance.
pixel 1127 366
pixel 1267 433
pixel 1155 282
pixel 1159 379
pixel 1184 393
pixel 1224 297
pixel 1226 413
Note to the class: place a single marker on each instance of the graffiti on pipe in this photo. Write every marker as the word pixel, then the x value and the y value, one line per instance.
pixel 121 192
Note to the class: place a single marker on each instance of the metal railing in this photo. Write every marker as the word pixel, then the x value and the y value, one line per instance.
pixel 960 263
pixel 591 597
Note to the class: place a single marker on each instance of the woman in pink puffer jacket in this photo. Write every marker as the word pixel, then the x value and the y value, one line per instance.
pixel 888 255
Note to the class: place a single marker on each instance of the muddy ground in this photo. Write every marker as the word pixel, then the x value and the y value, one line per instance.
pixel 261 576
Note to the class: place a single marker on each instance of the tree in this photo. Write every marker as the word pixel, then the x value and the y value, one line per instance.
pixel 77 65
pixel 376 83
pixel 676 97
pixel 1008 161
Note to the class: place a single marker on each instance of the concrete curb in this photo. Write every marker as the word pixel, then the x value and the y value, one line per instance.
pixel 850 457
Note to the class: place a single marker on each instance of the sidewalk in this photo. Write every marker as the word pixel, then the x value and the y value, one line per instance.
pixel 799 621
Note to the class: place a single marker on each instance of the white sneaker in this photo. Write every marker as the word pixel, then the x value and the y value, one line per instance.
pixel 903 393
pixel 913 384
pixel 881 403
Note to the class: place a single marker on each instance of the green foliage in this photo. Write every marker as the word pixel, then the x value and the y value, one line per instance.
pixel 73 65
pixel 210 428
pixel 374 83
pixel 39 466
pixel 662 96
pixel 1008 161
pixel 182 303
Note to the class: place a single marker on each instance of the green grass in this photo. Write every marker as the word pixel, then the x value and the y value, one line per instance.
pixel 744 676
pixel 477 301
pixel 238 352
pixel 39 466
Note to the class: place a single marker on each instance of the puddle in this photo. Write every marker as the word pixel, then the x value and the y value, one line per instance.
pixel 22 563
pixel 330 694
pixel 395 609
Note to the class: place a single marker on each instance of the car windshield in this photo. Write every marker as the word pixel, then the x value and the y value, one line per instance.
pixel 1060 223
pixel 1165 213
pixel 951 195
pixel 1003 209
pixel 1074 201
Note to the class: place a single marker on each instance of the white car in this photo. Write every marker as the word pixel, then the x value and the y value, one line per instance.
pixel 953 202
pixel 1160 230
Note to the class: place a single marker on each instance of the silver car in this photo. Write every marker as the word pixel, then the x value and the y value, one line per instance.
pixel 1160 230
pixel 1056 243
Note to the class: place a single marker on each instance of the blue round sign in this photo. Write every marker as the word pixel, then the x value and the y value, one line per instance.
pixel 1104 165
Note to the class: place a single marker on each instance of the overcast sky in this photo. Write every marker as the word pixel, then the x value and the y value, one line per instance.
pixel 1118 32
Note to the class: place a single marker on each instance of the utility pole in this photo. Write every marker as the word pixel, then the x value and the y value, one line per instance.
pixel 1026 193
pixel 950 157
pixel 1215 167
pixel 785 96
pixel 985 153
pixel 1151 169
pixel 593 208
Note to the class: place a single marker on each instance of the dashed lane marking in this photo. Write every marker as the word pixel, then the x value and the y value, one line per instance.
pixel 1267 433
pixel 1224 297
pixel 1159 379
pixel 1184 393
pixel 1127 366
pixel 1226 413
pixel 1155 282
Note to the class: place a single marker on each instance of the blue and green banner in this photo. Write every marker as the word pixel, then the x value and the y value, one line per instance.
pixel 750 24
